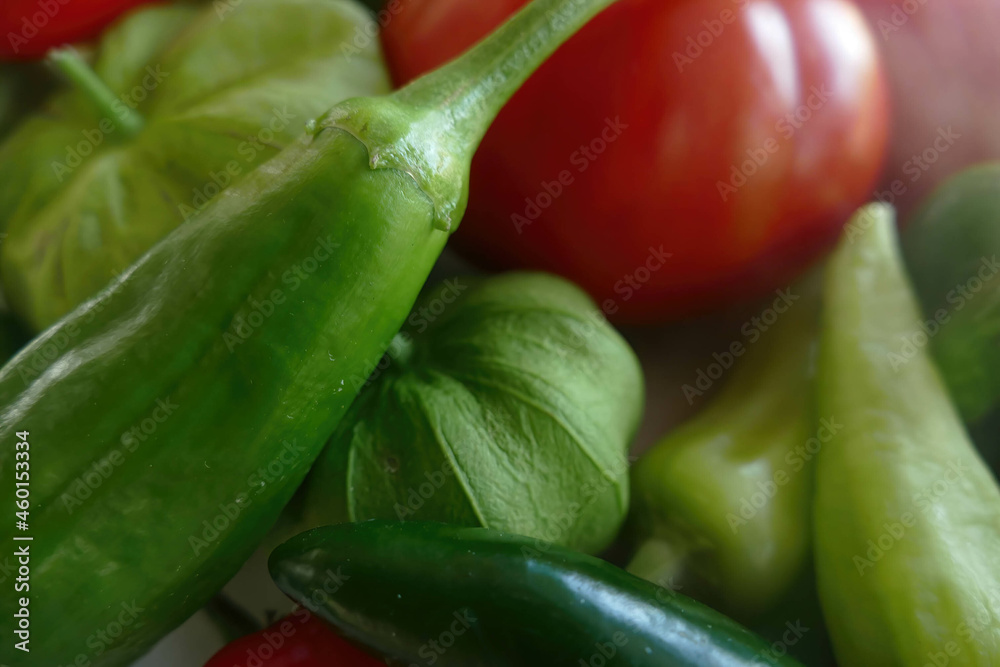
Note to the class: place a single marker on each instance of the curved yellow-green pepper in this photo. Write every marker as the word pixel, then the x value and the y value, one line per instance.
pixel 907 516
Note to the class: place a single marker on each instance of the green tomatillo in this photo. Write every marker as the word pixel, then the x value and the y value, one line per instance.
pixel 506 402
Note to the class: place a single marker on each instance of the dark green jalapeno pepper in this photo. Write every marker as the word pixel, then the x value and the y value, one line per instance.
pixel 170 418
pixel 430 593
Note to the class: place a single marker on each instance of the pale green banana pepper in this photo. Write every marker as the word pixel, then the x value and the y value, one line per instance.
pixel 907 516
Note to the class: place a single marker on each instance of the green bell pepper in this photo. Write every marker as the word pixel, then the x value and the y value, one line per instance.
pixel 721 504
pixel 430 593
pixel 506 402
pixel 182 103
pixel 170 418
pixel 907 516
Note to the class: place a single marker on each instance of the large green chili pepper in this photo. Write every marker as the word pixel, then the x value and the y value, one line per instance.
pixel 721 504
pixel 170 418
pixel 952 249
pixel 430 593
pixel 907 516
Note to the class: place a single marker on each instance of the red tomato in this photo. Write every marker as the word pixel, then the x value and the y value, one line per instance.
pixel 31 27
pixel 298 640
pixel 675 155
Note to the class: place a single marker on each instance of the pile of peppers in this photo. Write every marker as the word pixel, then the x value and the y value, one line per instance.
pixel 836 503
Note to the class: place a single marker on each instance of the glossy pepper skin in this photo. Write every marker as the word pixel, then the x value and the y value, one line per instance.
pixel 907 516
pixel 300 639
pixel 721 504
pixel 494 599
pixel 201 384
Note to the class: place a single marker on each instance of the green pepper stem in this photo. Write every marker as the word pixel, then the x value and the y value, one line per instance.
pixel 126 119
pixel 474 87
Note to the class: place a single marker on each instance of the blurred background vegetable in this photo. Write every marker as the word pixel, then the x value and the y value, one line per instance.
pixel 507 402
pixel 31 27
pixel 943 67
pixel 952 250
pixel 704 152
pixel 183 106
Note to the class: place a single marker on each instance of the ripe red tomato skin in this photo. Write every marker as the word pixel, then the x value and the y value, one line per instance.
pixel 31 27
pixel 688 125
pixel 300 639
